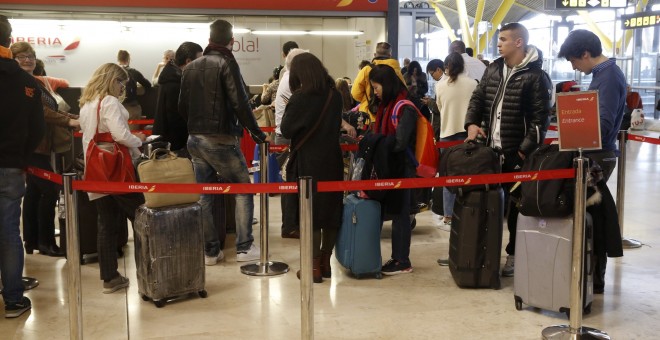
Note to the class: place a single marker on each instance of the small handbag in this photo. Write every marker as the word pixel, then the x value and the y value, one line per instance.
pixel 163 166
pixel 107 160
pixel 292 153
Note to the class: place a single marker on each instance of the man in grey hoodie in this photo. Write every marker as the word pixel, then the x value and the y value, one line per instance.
pixel 510 108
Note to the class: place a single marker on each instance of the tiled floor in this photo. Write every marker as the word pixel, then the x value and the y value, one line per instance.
pixel 423 305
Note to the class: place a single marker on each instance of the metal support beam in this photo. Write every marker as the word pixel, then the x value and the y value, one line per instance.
pixel 465 23
pixel 392 23
pixel 477 19
pixel 604 39
pixel 443 21
pixel 496 21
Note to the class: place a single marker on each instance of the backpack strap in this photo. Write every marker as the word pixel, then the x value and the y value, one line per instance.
pixel 397 109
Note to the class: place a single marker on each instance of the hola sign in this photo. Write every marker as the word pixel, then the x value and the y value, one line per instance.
pixel 578 120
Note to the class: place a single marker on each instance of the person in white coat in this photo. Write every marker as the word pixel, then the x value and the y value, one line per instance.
pixel 103 94
pixel 453 93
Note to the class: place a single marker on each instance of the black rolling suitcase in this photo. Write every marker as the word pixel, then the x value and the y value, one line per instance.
pixel 475 241
pixel 88 228
pixel 169 252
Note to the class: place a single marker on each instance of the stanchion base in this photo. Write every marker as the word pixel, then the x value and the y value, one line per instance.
pixel 629 243
pixel 265 269
pixel 561 332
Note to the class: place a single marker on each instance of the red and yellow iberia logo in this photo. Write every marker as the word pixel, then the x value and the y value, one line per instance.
pixel 29 91
pixel 468 181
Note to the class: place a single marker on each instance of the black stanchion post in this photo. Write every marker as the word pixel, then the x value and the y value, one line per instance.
pixel 621 189
pixel 73 258
pixel 575 330
pixel 264 267
pixel 306 239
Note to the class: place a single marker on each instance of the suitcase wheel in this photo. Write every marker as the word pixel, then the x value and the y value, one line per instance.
pixel 144 297
pixel 159 303
pixel 413 224
pixel 518 302
pixel 203 294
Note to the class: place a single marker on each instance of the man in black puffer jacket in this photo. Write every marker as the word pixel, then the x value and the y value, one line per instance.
pixel 510 108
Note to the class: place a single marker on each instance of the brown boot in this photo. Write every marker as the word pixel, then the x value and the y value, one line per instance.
pixel 326 271
pixel 316 270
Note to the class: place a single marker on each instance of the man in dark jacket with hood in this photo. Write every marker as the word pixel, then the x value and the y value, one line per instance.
pixel 168 123
pixel 22 128
pixel 510 108
pixel 214 102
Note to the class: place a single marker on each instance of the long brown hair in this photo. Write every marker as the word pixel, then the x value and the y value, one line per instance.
pixel 342 86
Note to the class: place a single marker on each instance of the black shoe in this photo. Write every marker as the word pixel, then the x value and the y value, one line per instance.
pixel 29 249
pixel 52 250
pixel 291 234
pixel 16 309
pixel 29 282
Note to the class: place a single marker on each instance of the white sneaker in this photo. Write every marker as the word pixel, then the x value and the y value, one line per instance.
pixel 509 266
pixel 252 254
pixel 212 260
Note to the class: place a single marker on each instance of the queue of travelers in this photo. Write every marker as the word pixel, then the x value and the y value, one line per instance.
pixel 505 105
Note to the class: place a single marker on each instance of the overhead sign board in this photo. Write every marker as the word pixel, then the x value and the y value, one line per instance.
pixel 587 4
pixel 640 20
pixel 578 120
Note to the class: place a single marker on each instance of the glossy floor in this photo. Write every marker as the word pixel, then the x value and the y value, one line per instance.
pixel 423 305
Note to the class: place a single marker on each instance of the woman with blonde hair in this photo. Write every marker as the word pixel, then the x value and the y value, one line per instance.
pixel 101 108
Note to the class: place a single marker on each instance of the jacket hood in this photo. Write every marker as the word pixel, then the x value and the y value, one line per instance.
pixel 393 63
pixel 533 58
pixel 170 74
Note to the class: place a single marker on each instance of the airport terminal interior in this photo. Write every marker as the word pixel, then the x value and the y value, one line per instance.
pixel 425 304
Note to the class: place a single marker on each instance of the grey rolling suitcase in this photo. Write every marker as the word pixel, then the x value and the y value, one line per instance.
pixel 475 241
pixel 543 263
pixel 169 252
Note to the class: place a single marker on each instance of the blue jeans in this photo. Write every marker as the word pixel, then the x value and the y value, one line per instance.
pixel 448 197
pixel 212 160
pixel 12 189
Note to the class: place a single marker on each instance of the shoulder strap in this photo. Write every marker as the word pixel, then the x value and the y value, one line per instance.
pixel 397 108
pixel 318 122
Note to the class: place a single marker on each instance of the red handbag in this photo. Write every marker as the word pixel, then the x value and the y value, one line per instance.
pixel 107 160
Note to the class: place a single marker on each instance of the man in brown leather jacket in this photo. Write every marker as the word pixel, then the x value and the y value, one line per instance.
pixel 214 103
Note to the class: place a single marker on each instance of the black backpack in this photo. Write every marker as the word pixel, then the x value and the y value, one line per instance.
pixel 549 198
pixel 470 158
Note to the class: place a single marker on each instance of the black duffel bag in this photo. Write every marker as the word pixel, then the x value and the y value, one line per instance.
pixel 470 158
pixel 549 198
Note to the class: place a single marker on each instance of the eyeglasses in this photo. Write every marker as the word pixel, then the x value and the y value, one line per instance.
pixel 122 82
pixel 25 57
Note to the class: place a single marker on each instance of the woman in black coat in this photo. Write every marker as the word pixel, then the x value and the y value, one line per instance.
pixel 314 134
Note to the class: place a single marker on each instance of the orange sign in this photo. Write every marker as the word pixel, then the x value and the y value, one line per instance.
pixel 578 120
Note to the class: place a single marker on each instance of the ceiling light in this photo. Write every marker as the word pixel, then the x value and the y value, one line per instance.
pixel 279 32
pixel 329 33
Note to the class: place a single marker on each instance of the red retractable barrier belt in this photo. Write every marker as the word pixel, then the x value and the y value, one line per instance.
pixel 47 175
pixel 384 184
pixel 171 188
pixel 644 139
pixel 140 121
pixel 292 187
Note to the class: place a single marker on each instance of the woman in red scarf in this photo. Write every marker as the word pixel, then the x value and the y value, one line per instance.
pixel 399 129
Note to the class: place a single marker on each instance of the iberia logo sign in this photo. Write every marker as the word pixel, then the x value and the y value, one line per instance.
pixel 49 42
